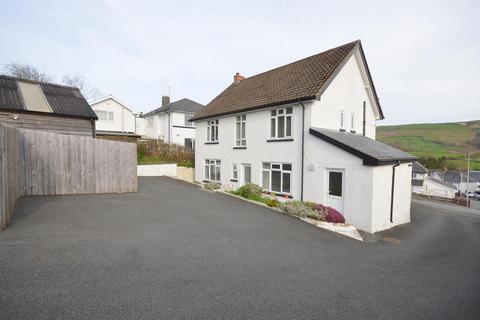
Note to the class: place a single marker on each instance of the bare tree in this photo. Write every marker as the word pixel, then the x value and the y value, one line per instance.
pixel 25 71
pixel 88 91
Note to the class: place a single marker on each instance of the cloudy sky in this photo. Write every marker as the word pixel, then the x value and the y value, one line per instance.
pixel 424 56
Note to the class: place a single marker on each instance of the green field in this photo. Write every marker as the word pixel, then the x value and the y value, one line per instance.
pixel 438 144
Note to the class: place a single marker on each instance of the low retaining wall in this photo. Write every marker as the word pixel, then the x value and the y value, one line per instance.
pixel 186 174
pixel 153 170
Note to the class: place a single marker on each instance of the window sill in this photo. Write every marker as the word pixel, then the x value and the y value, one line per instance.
pixel 353 131
pixel 342 130
pixel 234 180
pixel 278 194
pixel 186 127
pixel 206 181
pixel 239 147
pixel 211 142
pixel 280 140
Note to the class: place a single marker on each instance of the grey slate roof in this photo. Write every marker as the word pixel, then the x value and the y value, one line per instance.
pixel 63 100
pixel 371 151
pixel 417 167
pixel 182 105
pixel 443 183
pixel 454 176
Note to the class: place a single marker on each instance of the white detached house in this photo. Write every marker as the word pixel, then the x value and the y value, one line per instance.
pixel 306 131
pixel 116 118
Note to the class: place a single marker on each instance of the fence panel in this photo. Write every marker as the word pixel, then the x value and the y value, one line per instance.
pixel 43 163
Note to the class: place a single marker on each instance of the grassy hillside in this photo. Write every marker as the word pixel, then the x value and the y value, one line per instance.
pixel 437 144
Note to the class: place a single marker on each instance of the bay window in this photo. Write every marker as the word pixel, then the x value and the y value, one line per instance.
pixel 276 177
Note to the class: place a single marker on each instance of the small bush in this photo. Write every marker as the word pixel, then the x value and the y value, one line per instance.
pixel 249 190
pixel 212 186
pixel 272 202
pixel 334 216
pixel 299 209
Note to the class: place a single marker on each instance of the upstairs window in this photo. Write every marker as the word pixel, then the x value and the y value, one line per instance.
pixel 240 138
pixel 212 131
pixel 276 177
pixel 188 123
pixel 342 120
pixel 104 115
pixel 281 123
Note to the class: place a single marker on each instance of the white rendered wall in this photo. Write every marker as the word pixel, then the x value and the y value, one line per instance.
pixel 170 127
pixel 430 188
pixel 123 119
pixel 150 170
pixel 382 186
pixel 358 179
pixel 140 126
pixel 346 92
pixel 257 151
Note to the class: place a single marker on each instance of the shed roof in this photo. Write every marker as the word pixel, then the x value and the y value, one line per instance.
pixel 371 151
pixel 62 100
pixel 304 79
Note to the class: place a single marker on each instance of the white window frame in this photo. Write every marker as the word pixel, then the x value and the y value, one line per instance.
pixel 212 130
pixel 269 167
pixel 352 122
pixel 234 172
pixel 240 130
pixel 281 116
pixel 342 119
pixel 104 115
pixel 215 165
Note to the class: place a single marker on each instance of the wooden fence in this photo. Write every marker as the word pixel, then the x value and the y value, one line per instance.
pixel 44 163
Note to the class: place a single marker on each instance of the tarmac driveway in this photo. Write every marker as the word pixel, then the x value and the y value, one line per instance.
pixel 175 251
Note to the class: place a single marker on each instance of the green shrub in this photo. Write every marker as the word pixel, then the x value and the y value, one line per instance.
pixel 271 202
pixel 249 191
pixel 212 186
pixel 141 151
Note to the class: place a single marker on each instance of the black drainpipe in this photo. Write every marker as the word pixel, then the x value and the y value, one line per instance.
pixel 393 190
pixel 303 146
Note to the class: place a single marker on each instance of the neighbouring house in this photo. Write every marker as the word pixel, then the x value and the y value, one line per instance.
pixel 116 119
pixel 434 188
pixel 419 172
pixel 45 106
pixel 171 122
pixel 459 180
pixel 306 131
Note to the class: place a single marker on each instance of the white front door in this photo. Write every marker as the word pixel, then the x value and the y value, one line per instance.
pixel 335 197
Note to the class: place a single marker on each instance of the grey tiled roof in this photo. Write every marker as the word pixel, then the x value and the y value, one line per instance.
pixel 417 167
pixel 183 105
pixel 63 100
pixel 371 151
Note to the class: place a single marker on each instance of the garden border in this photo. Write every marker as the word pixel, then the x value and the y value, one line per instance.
pixel 343 229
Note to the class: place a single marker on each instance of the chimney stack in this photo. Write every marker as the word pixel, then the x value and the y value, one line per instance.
pixel 165 100
pixel 237 78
